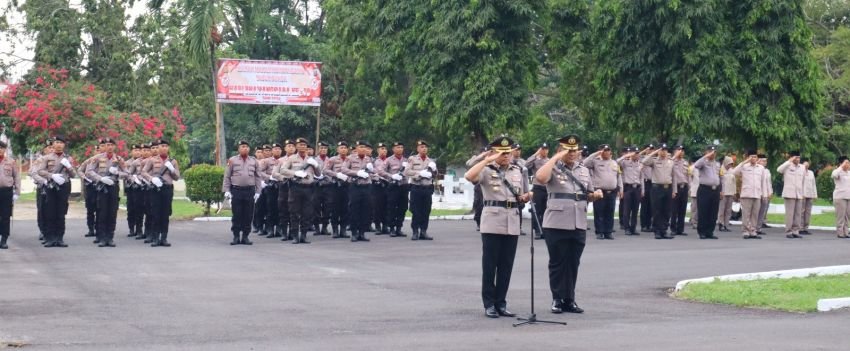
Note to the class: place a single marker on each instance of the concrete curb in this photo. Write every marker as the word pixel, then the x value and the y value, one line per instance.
pixel 441 218
pixel 826 305
pixel 786 274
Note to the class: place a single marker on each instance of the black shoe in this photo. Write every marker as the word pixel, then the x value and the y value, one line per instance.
pixel 645 230
pixel 235 240
pixel 755 237
pixel 263 233
pixel 666 236
pixel 4 247
pixel 89 235
pixel 764 225
pixel 556 307
pixel 759 232
pixel 503 311
pixel 109 243
pixel 97 241
pixel 60 243
pixel 609 236
pixel 362 237
pixel 600 236
pixel 682 234
pixel 793 236
pixel 659 236
pixel 155 243
pixel 423 235
pixel 132 234
pixel 805 232
pixel 354 236
pixel 49 244
pixel 245 241
pixel 572 308
pixel 491 312
pixel 164 243
pixel 415 235
pixel 712 237
pixel 399 233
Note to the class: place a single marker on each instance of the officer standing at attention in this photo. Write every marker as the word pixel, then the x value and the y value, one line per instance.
pixel 810 193
pixel 765 203
pixel 10 190
pixel 680 202
pixel 283 214
pixel 793 174
pixel 708 194
pixel 106 169
pixel 323 195
pixel 753 190
pixel 242 185
pixel 41 192
pixel 260 209
pixel 841 196
pixel 131 191
pixel 162 171
pixel 538 193
pixel 379 191
pixel 663 188
pixel 728 190
pixel 605 174
pixel 504 186
pixel 301 170
pixel 57 169
pixel 269 192
pixel 693 181
pixel 91 196
pixel 569 188
pixel 421 174
pixel 149 151
pixel 646 198
pixel 333 170
pixel 359 169
pixel 630 172
pixel 396 190
pixel 477 196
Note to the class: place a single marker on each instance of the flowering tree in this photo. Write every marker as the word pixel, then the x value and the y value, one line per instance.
pixel 49 103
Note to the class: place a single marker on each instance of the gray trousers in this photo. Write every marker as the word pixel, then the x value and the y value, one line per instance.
pixel 724 213
pixel 842 215
pixel 765 205
pixel 793 215
pixel 693 220
pixel 807 213
pixel 750 215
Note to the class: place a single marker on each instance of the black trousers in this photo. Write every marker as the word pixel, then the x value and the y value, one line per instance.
pixel 260 210
pixel 283 205
pixel 396 204
pixel 242 203
pixel 679 209
pixel 148 212
pixel 40 196
pixel 379 205
pixel 540 198
pixel 161 208
pixel 420 206
pixel 272 212
pixel 497 264
pixel 631 206
pixel 339 213
pixel 565 248
pixel 646 206
pixel 135 208
pixel 620 210
pixel 661 198
pixel 359 209
pixel 708 202
pixel 323 203
pixel 5 211
pixel 91 207
pixel 55 209
pixel 300 207
pixel 477 203
pixel 603 212
pixel 107 212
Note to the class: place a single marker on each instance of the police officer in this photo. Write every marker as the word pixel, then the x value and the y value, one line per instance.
pixel 421 172
pixel 270 192
pixel 379 191
pixel 753 189
pixel 135 205
pixel 504 186
pixel 663 188
pixel 324 192
pixel 793 174
pixel 539 196
pixel 646 199
pixel 283 194
pixel 708 194
pixel 57 169
pixel 260 209
pixel 397 189
pixel 242 185
pixel 517 160
pixel 10 190
pixel 149 152
pixel 569 188
pixel 333 170
pixel 680 202
pixel 162 171
pixel 41 192
pixel 358 169
pixel 301 171
pixel 90 196
pixel 477 196
pixel 605 174
pixel 765 203
pixel 106 170
pixel 630 174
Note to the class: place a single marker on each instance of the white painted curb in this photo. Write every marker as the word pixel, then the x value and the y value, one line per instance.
pixel 793 273
pixel 442 218
pixel 825 305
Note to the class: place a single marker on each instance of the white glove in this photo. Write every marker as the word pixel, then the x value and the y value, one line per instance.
pixel 397 177
pixel 66 163
pixel 107 181
pixel 405 164
pixel 370 167
pixel 58 178
pixel 169 165
pixel 113 170
pixel 342 177
pixel 15 198
pixel 362 174
pixel 313 162
pixel 136 180
pixel 320 177
pixel 256 197
pixel 156 181
pixel 227 195
pixel 300 174
pixel 424 174
pixel 432 166
pixel 263 184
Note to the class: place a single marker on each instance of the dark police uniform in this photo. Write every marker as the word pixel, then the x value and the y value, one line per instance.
pixel 41 194
pixel 397 190
pixel 663 190
pixel 242 182
pixel 301 171
pixel 106 170
pixel 323 197
pixel 632 184
pixel 10 190
pixel 161 172
pixel 606 177
pixel 708 194
pixel 270 194
pixel 421 173
pixel 358 169
pixel 339 210
pixel 57 170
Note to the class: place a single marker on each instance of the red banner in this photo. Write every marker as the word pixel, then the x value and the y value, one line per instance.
pixel 269 82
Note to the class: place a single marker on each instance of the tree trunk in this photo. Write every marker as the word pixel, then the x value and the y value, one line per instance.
pixel 220 156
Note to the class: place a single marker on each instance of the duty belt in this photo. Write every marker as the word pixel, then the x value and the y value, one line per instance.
pixel 664 186
pixel 576 196
pixel 505 204
pixel 633 185
pixel 682 185
pixel 712 187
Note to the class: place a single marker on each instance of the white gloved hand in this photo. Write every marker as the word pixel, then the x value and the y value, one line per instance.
pixel 107 181
pixel 370 167
pixel 15 198
pixel 256 197
pixel 263 184
pixel 432 166
pixel 58 178
pixel 227 195
pixel 312 162
pixel 405 164
pixel 362 174
pixel 397 177
pixel 300 174
pixel 425 174
pixel 169 165
pixel 66 163
pixel 136 180
pixel 156 181
pixel 113 170
pixel 342 177
pixel 320 177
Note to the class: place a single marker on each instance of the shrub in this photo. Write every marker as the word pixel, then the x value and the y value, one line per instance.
pixel 825 183
pixel 203 184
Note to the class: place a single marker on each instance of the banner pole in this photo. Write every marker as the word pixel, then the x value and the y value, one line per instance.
pixel 318 121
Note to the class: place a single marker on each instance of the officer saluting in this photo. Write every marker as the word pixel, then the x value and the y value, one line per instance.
pixel 421 173
pixel 10 190
pixel 161 171
pixel 106 169
pixel 301 171
pixel 503 186
pixel 242 185
pixel 663 189
pixel 56 168
pixel 708 194
pixel 606 177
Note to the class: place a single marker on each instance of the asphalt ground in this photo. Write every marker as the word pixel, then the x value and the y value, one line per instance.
pixel 390 294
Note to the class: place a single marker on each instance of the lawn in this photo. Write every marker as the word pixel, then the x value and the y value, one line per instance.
pixel 793 295
pixel 778 200
pixel 818 220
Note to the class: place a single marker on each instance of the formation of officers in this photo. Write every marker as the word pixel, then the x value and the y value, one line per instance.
pixel 285 190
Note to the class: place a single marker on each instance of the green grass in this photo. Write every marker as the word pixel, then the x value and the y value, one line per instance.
pixel 778 200
pixel 818 220
pixel 793 295
pixel 183 210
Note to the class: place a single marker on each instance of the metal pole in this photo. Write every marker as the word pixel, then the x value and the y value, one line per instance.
pixel 318 122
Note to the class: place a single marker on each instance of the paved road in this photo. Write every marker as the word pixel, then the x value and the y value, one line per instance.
pixel 390 294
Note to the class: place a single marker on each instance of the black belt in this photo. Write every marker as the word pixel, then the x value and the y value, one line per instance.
pixel 633 185
pixel 301 185
pixel 539 187
pixel 662 186
pixel 610 191
pixel 360 185
pixel 682 185
pixel 422 186
pixel 711 187
pixel 236 187
pixel 576 197
pixel 6 188
pixel 505 204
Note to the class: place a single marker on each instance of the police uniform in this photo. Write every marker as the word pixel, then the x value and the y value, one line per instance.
pixel 261 207
pixel 106 170
pixel 477 195
pixel 323 197
pixel 693 181
pixel 40 191
pixel 765 203
pixel 646 224
pixel 242 184
pixel 301 171
pixel 282 197
pixel 606 177
pixel 501 186
pixel 663 191
pixel 810 193
pixel 339 210
pixel 10 190
pixel 57 169
pixel 708 194
pixel 728 190
pixel 565 225
pixel 841 197
pixel 753 189
pixel 630 174
pixel 148 191
pixel 539 196
pixel 421 172
pixel 379 192
pixel 135 203
pixel 162 171
pixel 269 194
pixel 793 175
pixel 358 169
pixel 90 193
pixel 680 202
pixel 397 191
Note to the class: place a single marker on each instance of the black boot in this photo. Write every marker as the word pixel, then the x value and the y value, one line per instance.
pixel 164 241
pixel 139 233
pixel 398 232
pixel 343 232
pixel 415 234
pixel 362 236
pixel 354 235
pixel 325 230
pixel 148 237
pixel 235 239
pixel 245 240
pixel 335 230
pixel 302 239
pixel 60 241
pixel 385 229
pixel 132 230
pixel 156 240
pixel 292 234
pixel 3 239
pixel 423 235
